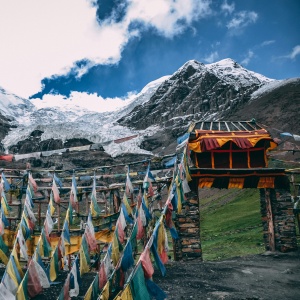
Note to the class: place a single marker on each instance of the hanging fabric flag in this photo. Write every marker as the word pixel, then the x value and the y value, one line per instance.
pixel 4 204
pixel 146 263
pixel 11 278
pixel 94 207
pixel 125 294
pixel 73 193
pixel 51 206
pixel 22 244
pixel 48 224
pixel 116 248
pixel 22 292
pixel 45 245
pixel 90 237
pixel 34 286
pixel 64 294
pixel 127 205
pixel 162 243
pixel 74 278
pixel 53 267
pixel 16 262
pixel 4 250
pixel 2 219
pixel 57 180
pixel 24 226
pixel 61 249
pixel 105 292
pixel 5 294
pixel 28 197
pixel 105 270
pixel 154 249
pixel 29 212
pixel 179 192
pixel 42 276
pixel 55 192
pixel 133 236
pixel 5 183
pixel 84 256
pixel 90 223
pixel 93 291
pixel 69 214
pixel 127 259
pixel 147 183
pixel 65 232
pixel 120 226
pixel 32 181
pixel 155 291
pixel 129 186
pixel 141 223
pixel 138 286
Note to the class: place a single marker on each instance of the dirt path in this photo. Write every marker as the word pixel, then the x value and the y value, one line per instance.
pixel 268 276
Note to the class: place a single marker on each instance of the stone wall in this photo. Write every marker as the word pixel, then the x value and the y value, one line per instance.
pixel 283 237
pixel 188 226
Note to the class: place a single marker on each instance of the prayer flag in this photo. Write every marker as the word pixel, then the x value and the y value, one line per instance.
pixel 127 258
pixel 138 286
pixel 4 204
pixel 55 192
pixel 84 256
pixel 64 294
pixel 90 237
pixel 5 294
pixel 73 193
pixel 51 206
pixel 155 291
pixel 74 279
pixel 146 263
pixel 42 276
pixel 65 232
pixel 129 186
pixel 34 286
pixel 32 181
pixel 93 291
pixel 6 184
pixel 22 244
pixel 53 265
pixel 22 292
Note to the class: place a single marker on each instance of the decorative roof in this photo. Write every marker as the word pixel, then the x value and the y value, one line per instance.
pixel 209 135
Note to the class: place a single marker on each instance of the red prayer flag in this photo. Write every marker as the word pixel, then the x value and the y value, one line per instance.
pixel 34 286
pixel 146 263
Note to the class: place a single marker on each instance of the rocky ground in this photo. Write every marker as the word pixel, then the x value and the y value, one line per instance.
pixel 267 276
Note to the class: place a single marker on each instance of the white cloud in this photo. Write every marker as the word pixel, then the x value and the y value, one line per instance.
pixel 227 8
pixel 267 43
pixel 242 19
pixel 294 52
pixel 247 59
pixel 212 57
pixel 40 38
pixel 83 101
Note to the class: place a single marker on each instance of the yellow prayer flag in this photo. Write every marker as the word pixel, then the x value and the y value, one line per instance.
pixel 105 292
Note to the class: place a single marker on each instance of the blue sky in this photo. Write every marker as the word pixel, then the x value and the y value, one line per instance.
pixel 113 47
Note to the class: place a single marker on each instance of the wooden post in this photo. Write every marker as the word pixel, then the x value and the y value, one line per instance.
pixel 270 221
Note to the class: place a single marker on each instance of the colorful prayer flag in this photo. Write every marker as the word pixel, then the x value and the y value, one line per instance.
pixel 74 279
pixel 84 256
pixel 53 265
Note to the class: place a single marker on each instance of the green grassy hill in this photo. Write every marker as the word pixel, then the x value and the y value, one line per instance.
pixel 230 223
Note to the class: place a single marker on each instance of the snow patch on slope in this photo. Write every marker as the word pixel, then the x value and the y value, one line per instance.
pixel 271 86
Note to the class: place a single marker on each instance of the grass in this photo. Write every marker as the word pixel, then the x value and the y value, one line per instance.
pixel 231 225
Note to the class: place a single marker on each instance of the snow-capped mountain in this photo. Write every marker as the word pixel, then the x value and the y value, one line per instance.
pixel 156 116
pixel 197 91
